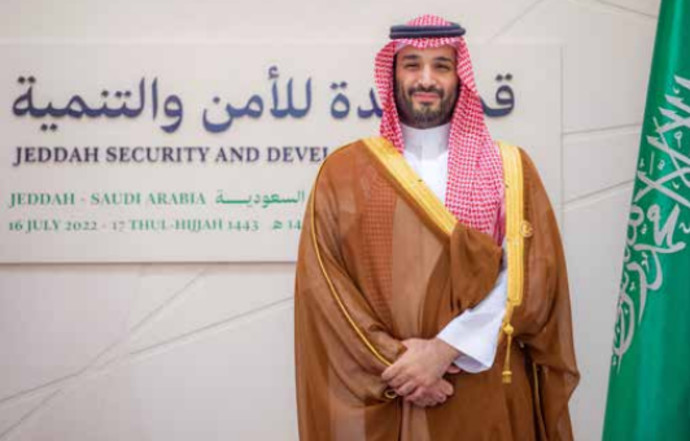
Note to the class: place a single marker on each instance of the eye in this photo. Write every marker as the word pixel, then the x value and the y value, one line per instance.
pixel 444 67
pixel 411 65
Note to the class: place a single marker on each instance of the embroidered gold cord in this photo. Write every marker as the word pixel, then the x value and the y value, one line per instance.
pixel 444 221
pixel 516 231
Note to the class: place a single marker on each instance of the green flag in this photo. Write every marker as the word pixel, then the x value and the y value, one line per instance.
pixel 649 383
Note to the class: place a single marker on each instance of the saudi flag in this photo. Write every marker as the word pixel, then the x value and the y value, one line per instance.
pixel 649 383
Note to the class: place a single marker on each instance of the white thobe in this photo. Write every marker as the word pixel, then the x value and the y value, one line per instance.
pixel 474 332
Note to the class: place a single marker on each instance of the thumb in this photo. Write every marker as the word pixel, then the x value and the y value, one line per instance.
pixel 453 369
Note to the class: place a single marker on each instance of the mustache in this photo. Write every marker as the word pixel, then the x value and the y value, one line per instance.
pixel 430 89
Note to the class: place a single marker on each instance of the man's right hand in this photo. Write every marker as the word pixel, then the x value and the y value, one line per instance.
pixel 433 395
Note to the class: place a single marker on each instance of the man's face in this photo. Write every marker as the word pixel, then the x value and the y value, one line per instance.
pixel 426 86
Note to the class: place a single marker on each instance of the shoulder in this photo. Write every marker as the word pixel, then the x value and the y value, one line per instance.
pixel 339 182
pixel 344 162
pixel 509 151
pixel 343 153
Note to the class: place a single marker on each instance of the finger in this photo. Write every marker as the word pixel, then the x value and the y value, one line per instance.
pixel 431 400
pixel 425 403
pixel 422 402
pixel 405 389
pixel 425 397
pixel 401 366
pixel 418 403
pixel 387 374
pixel 397 381
pixel 453 369
pixel 432 403
pixel 439 397
pixel 447 388
pixel 434 394
pixel 417 395
pixel 390 372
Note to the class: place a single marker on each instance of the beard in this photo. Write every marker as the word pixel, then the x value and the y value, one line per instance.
pixel 424 116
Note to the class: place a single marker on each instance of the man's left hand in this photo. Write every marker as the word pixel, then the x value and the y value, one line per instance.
pixel 424 362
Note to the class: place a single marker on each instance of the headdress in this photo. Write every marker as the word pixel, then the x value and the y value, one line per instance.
pixel 474 192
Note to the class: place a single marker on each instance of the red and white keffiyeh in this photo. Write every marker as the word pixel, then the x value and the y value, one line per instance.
pixel 474 192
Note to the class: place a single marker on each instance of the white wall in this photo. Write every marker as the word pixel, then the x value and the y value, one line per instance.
pixel 179 352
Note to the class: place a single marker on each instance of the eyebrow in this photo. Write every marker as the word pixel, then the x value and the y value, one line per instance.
pixel 415 57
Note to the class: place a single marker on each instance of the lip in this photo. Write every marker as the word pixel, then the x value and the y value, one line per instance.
pixel 426 96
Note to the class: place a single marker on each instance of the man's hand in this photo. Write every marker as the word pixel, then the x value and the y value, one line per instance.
pixel 419 370
pixel 434 395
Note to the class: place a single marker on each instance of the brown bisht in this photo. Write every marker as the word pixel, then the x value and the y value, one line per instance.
pixel 381 260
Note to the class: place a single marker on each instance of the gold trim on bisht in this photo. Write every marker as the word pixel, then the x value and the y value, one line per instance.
pixel 329 282
pixel 412 186
pixel 517 228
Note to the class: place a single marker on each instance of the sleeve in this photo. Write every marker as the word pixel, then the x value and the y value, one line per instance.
pixel 543 321
pixel 338 338
pixel 475 332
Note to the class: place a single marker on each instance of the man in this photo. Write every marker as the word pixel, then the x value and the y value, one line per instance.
pixel 406 328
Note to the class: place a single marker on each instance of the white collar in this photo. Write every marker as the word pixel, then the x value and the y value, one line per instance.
pixel 426 143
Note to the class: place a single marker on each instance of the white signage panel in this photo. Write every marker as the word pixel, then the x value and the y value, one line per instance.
pixel 180 153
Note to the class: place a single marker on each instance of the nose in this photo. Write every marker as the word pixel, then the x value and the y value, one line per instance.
pixel 426 78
